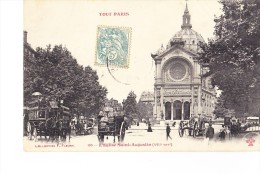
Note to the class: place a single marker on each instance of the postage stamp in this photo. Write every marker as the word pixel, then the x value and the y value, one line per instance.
pixel 113 46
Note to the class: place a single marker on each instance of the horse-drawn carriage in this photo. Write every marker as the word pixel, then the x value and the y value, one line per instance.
pixel 48 118
pixel 194 127
pixel 236 127
pixel 113 125
pixel 84 126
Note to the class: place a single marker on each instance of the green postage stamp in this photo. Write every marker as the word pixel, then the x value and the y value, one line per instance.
pixel 113 46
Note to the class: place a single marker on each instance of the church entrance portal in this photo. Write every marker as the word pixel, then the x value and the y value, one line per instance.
pixel 177 106
pixel 167 111
pixel 186 110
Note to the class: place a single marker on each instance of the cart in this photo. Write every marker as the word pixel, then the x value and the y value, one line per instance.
pixel 111 126
pixel 194 127
pixel 47 118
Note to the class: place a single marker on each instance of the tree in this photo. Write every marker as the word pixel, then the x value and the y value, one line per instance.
pixel 130 105
pixel 234 56
pixel 56 74
pixel 220 108
pixel 145 110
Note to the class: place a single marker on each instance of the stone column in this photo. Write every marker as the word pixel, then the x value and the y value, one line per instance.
pixel 156 69
pixel 182 110
pixel 171 110
pixel 162 103
pixel 159 76
pixel 195 69
pixel 199 100
pixel 155 114
pixel 192 101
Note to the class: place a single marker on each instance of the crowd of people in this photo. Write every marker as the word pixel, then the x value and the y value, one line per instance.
pixel 225 132
pixel 229 131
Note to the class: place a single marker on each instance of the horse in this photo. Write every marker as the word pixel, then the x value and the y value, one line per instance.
pixel 42 129
pixel 78 128
pixel 50 127
pixel 63 129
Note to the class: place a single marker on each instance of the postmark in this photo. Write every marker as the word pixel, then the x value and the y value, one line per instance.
pixel 113 46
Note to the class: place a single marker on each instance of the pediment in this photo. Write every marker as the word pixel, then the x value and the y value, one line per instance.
pixel 176 50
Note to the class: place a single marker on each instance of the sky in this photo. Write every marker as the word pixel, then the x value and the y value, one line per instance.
pixel 74 25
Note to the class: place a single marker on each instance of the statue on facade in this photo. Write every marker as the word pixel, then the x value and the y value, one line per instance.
pixel 162 116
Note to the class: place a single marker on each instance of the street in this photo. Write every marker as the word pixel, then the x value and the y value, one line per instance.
pixel 138 139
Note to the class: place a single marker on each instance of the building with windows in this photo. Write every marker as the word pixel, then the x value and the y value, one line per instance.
pixel 28 50
pixel 147 97
pixel 113 106
pixel 29 54
pixel 181 90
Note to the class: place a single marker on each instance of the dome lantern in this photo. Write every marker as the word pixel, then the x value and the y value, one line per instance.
pixel 186 19
pixel 186 37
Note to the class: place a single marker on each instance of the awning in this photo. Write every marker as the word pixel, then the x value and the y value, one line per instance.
pixel 36 94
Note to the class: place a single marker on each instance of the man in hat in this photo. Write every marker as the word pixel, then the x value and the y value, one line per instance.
pixel 210 132
pixel 168 131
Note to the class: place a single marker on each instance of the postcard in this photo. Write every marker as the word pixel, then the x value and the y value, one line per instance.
pixel 162 76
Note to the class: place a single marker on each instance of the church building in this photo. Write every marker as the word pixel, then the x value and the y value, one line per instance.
pixel 181 90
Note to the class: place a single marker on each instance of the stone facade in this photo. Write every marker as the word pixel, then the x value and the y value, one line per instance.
pixel 180 90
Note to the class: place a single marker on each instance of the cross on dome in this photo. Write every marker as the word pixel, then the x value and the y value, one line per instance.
pixel 186 9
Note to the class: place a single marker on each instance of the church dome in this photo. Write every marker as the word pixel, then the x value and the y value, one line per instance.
pixel 187 36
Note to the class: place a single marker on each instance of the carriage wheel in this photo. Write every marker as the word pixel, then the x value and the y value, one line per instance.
pixel 195 129
pixel 190 132
pixel 203 128
pixel 29 131
pixel 180 130
pixel 35 133
pixel 91 131
pixel 122 132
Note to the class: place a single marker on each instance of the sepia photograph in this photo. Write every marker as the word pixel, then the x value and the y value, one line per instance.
pixel 129 86
pixel 141 76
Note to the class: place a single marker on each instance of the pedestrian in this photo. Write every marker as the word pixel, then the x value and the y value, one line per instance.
pixel 149 128
pixel 238 126
pixel 228 133
pixel 222 133
pixel 233 129
pixel 210 132
pixel 210 121
pixel 168 131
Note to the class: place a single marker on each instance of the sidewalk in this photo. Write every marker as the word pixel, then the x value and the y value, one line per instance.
pixel 143 126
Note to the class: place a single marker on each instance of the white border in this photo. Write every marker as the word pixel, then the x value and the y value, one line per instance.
pixel 14 159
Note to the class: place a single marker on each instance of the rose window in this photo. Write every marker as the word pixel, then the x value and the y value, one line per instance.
pixel 177 71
